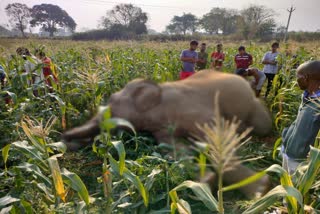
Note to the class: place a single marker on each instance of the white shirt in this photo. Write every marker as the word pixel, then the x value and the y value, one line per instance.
pixel 268 68
pixel 30 68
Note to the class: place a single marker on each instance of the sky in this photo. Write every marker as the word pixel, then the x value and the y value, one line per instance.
pixel 87 13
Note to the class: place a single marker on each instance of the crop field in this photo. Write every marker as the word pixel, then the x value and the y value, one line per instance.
pixel 126 172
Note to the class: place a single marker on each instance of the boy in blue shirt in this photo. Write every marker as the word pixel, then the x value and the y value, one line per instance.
pixel 302 133
pixel 189 58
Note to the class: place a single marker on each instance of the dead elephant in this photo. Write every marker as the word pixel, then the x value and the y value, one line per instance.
pixel 153 107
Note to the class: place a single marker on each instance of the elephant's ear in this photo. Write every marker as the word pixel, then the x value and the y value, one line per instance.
pixel 146 95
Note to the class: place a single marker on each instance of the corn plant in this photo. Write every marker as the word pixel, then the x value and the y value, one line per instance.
pixel 41 171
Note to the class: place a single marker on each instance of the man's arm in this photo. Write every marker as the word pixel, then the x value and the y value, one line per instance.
pixel 265 61
pixel 183 58
pixel 188 59
pixel 302 134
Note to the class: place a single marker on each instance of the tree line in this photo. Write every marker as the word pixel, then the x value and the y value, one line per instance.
pixel 255 21
pixel 127 21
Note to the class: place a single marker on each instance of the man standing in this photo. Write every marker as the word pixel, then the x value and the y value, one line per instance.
pixel 270 65
pixel 242 59
pixel 202 57
pixel 302 133
pixel 189 58
pixel 217 58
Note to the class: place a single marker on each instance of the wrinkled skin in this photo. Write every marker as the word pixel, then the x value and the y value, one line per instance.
pixel 153 107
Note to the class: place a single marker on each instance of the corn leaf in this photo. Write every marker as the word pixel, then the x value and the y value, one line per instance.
pixel 75 182
pixel 272 197
pixel 57 178
pixel 135 180
pixel 202 191
pixel 5 154
pixel 121 153
pixel 310 175
pixel 7 200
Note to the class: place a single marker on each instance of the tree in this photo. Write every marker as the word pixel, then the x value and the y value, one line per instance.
pixel 50 17
pixel 128 16
pixel 19 15
pixel 183 24
pixel 220 19
pixel 257 20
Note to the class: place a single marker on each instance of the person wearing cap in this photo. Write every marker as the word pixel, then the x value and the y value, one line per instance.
pixel 302 133
pixel 258 78
pixel 270 65
pixel 242 59
pixel 217 58
pixel 202 57
pixel 189 57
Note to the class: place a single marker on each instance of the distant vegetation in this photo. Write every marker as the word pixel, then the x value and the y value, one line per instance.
pixel 129 22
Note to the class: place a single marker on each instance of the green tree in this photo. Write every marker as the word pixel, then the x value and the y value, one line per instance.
pixel 131 19
pixel 19 15
pixel 257 21
pixel 50 17
pixel 183 24
pixel 220 19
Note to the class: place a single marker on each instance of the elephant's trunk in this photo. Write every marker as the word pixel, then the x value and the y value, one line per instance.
pixel 88 130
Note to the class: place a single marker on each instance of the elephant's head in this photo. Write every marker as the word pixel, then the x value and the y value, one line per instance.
pixel 131 103
pixel 135 100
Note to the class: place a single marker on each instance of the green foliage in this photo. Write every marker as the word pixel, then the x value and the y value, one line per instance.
pixel 50 16
pixel 126 172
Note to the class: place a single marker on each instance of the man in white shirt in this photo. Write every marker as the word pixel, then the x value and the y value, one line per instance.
pixel 270 65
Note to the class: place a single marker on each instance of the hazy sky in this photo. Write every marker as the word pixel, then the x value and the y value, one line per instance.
pixel 87 13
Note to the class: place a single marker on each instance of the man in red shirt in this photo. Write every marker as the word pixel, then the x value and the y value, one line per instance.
pixel 242 59
pixel 217 58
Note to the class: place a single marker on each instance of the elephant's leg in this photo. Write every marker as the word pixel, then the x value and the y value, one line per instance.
pixel 252 190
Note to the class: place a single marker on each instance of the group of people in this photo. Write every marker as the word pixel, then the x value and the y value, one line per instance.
pixel 302 133
pixel 193 60
pixel 38 68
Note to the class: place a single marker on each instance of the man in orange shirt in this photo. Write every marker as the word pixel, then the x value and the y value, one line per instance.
pixel 217 58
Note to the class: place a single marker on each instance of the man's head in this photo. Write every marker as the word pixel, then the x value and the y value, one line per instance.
pixel 308 74
pixel 22 51
pixel 275 47
pixel 203 47
pixel 40 53
pixel 193 45
pixel 242 50
pixel 219 47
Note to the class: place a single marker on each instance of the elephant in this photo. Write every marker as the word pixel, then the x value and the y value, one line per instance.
pixel 153 107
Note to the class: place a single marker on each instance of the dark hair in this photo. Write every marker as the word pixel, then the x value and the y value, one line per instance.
pixel 203 43
pixel 275 44
pixel 241 48
pixel 219 45
pixel 23 51
pixel 194 42
pixel 241 71
pixel 40 52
